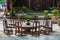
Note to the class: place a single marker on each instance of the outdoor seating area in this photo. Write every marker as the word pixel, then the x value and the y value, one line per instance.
pixel 29 19
pixel 22 26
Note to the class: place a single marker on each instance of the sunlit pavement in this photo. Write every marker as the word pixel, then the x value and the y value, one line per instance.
pixel 54 36
pixel 28 37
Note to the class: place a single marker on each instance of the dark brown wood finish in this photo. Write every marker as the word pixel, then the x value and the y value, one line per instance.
pixel 19 29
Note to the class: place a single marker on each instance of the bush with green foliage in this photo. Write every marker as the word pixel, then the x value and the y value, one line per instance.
pixel 29 17
pixel 46 11
pixel 55 11
pixel 24 9
pixel 17 9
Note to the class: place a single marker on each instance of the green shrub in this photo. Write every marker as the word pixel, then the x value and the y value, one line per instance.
pixel 24 9
pixel 29 17
pixel 17 9
pixel 55 11
pixel 46 11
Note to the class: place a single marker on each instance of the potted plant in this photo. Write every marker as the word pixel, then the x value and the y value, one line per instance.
pixel 55 12
pixel 28 23
pixel 28 19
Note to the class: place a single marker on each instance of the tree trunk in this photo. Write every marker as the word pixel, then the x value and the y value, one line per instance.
pixel 29 3
pixel 11 5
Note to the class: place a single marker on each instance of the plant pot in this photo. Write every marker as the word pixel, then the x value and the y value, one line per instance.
pixel 27 23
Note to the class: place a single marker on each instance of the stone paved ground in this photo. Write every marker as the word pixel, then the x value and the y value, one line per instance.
pixel 41 37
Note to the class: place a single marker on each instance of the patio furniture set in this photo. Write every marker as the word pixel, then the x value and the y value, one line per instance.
pixel 20 27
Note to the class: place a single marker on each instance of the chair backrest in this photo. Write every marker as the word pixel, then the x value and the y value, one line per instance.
pixel 36 23
pixel 18 24
pixel 18 27
pixel 42 22
pixel 5 23
pixel 49 23
pixel 11 21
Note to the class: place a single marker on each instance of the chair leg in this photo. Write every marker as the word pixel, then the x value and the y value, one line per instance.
pixel 4 30
pixel 15 32
pixel 46 32
pixel 51 29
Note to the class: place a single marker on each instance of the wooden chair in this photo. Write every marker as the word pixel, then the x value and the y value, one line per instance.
pixel 22 18
pixel 19 30
pixel 7 29
pixel 41 27
pixel 35 28
pixel 49 25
